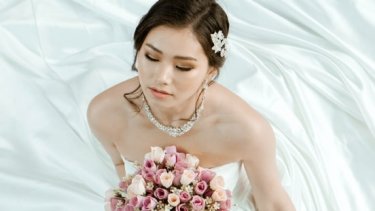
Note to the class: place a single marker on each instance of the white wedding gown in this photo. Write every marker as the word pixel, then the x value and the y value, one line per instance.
pixel 306 66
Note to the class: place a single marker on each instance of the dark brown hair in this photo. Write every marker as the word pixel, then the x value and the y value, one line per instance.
pixel 204 17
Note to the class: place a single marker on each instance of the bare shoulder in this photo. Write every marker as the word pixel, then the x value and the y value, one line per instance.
pixel 107 115
pixel 256 145
pixel 110 106
pixel 246 126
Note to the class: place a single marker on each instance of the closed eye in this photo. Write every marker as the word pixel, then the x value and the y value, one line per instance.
pixel 150 58
pixel 178 67
pixel 184 68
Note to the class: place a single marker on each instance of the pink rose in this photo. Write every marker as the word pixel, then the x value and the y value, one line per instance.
pixel 127 207
pixel 200 187
pixel 116 201
pixel 150 165
pixel 157 175
pixel 161 193
pixel 181 166
pixel 177 177
pixel 136 201
pixel 149 203
pixel 180 157
pixel 206 175
pixel 208 193
pixel 170 150
pixel 182 207
pixel 148 175
pixel 229 194
pixel 170 160
pixel 197 203
pixel 124 184
pixel 184 196
pixel 225 205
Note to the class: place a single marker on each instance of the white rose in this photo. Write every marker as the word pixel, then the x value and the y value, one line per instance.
pixel 217 183
pixel 138 179
pixel 157 154
pixel 137 187
pixel 173 199
pixel 187 177
pixel 192 161
pixel 219 195
pixel 166 179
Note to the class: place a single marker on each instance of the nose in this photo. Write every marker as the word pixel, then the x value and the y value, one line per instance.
pixel 164 74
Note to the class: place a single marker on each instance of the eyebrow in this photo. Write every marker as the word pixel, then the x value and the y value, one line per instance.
pixel 176 57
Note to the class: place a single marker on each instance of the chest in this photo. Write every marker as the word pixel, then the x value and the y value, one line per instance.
pixel 205 140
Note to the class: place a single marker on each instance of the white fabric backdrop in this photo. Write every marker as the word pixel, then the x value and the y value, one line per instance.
pixel 307 66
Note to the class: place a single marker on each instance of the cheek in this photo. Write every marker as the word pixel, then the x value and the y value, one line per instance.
pixel 187 87
pixel 190 81
pixel 141 64
pixel 144 68
pixel 143 74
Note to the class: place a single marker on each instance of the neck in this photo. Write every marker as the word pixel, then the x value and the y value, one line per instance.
pixel 171 116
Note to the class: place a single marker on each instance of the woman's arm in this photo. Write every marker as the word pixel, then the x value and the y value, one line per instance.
pixel 102 128
pixel 260 164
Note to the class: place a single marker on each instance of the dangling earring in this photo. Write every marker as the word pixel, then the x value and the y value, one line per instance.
pixel 205 87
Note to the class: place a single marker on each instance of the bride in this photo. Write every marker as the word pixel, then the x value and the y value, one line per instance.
pixel 174 100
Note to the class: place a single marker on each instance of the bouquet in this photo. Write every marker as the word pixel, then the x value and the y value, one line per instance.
pixel 170 180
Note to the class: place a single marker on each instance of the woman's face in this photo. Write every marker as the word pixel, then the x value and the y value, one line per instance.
pixel 172 60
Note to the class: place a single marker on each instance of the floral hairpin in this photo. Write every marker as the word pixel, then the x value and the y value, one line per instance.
pixel 220 43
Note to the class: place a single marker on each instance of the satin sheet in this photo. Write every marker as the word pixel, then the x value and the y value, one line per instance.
pixel 306 66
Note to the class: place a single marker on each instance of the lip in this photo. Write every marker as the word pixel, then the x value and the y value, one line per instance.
pixel 161 95
pixel 160 91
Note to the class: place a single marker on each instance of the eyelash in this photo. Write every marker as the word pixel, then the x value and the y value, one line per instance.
pixel 151 59
pixel 155 60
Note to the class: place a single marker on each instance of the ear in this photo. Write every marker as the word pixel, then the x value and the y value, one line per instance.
pixel 212 72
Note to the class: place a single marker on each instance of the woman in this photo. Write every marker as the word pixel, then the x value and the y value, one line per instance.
pixel 180 48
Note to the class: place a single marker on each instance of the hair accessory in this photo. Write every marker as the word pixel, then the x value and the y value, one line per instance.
pixel 220 43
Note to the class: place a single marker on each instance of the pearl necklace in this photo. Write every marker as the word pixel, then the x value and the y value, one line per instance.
pixel 173 131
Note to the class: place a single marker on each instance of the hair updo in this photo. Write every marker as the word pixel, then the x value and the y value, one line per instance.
pixel 204 17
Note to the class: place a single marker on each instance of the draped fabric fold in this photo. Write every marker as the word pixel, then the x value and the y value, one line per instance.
pixel 307 66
